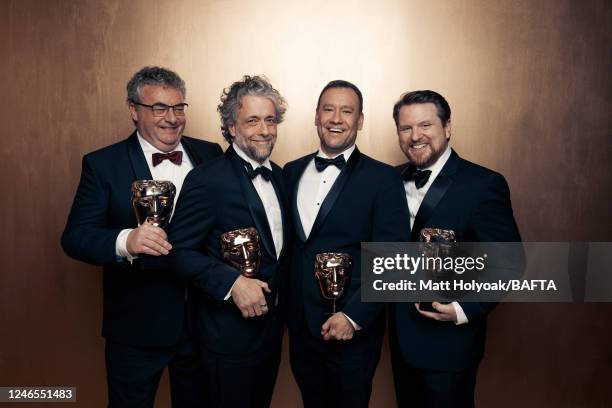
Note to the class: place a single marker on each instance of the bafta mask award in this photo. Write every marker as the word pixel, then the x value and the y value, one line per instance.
pixel 153 201
pixel 240 248
pixel 437 235
pixel 332 271
pixel 437 243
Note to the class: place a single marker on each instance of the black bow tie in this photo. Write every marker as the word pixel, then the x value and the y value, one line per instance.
pixel 322 163
pixel 262 171
pixel 419 177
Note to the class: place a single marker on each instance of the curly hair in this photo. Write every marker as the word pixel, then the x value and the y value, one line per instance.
pixel 231 100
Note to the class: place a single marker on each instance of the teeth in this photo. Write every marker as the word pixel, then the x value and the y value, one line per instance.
pixel 335 130
pixel 418 146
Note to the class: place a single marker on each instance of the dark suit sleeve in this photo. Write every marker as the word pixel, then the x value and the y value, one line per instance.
pixel 87 236
pixel 390 223
pixel 493 221
pixel 190 228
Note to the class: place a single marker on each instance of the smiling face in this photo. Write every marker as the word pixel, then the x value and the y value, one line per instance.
pixel 255 129
pixel 162 132
pixel 422 136
pixel 338 119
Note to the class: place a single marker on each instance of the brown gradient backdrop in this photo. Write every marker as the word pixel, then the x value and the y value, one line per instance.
pixel 530 91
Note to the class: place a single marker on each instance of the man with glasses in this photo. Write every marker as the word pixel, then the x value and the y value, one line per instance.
pixel 146 321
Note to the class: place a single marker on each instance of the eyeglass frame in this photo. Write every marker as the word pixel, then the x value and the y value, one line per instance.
pixel 165 107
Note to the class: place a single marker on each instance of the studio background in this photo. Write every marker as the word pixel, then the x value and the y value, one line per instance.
pixel 528 83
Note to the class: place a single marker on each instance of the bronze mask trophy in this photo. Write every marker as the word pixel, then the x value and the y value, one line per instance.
pixel 153 201
pixel 333 272
pixel 437 243
pixel 437 235
pixel 240 248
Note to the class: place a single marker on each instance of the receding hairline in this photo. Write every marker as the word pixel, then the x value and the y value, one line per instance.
pixel 338 87
pixel 141 87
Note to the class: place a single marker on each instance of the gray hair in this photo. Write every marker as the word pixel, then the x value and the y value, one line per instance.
pixel 157 76
pixel 231 100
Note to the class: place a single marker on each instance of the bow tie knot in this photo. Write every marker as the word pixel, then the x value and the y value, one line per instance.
pixel 175 157
pixel 262 171
pixel 420 177
pixel 321 163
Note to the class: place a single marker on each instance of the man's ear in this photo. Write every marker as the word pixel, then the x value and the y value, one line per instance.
pixel 133 112
pixel 232 130
pixel 360 122
pixel 447 130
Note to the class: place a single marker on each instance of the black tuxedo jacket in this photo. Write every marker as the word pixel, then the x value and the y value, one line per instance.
pixel 475 203
pixel 141 308
pixel 216 198
pixel 367 203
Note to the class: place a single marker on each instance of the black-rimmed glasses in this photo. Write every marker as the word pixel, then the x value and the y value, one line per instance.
pixel 161 110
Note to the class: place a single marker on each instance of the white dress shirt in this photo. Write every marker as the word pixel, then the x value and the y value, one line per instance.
pixel 268 197
pixel 415 198
pixel 312 190
pixel 271 205
pixel 166 170
pixel 314 187
pixel 415 195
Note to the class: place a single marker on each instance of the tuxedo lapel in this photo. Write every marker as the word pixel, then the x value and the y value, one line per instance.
pixel 334 193
pixel 277 183
pixel 137 159
pixel 402 168
pixel 258 213
pixel 297 221
pixel 435 193
pixel 191 152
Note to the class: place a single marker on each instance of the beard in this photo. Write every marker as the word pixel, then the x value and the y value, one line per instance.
pixel 257 152
pixel 426 156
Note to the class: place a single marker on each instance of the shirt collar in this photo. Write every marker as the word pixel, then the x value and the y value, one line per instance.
pixel 252 162
pixel 437 166
pixel 347 153
pixel 148 149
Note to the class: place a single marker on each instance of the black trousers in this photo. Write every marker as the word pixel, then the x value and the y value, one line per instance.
pixel 333 375
pixel 419 388
pixel 133 373
pixel 240 381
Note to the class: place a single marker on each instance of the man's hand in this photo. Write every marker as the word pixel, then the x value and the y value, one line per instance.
pixel 337 327
pixel 148 239
pixel 445 312
pixel 248 296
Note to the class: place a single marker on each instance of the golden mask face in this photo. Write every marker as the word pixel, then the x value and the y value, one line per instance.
pixel 332 271
pixel 153 201
pixel 240 248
